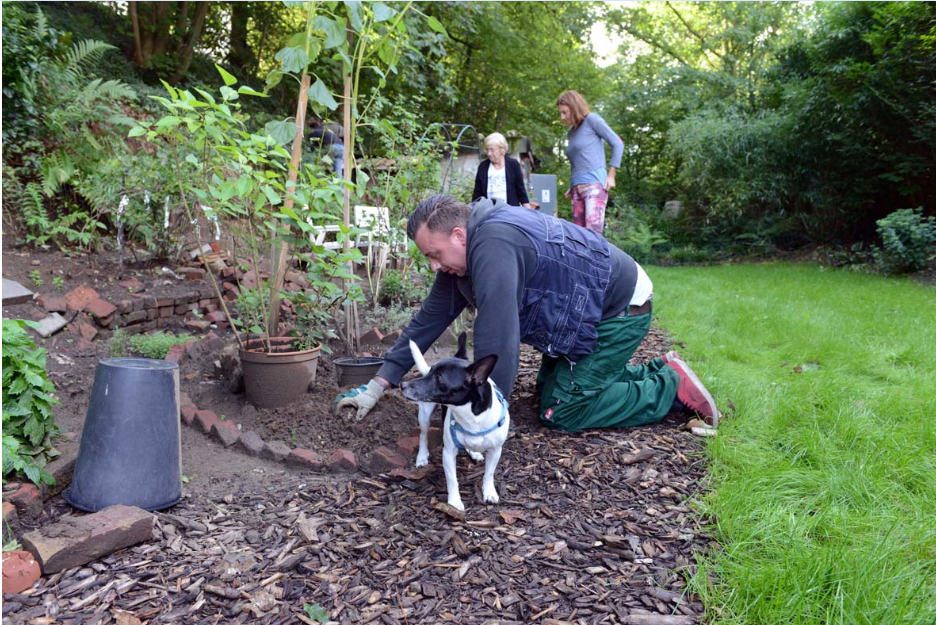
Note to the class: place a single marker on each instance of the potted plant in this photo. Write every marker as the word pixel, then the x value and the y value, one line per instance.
pixel 248 178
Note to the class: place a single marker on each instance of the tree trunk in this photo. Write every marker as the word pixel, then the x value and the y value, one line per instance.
pixel 188 46
pixel 137 42
pixel 240 54
pixel 162 37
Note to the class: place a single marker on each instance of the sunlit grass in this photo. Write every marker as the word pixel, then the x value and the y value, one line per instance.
pixel 823 493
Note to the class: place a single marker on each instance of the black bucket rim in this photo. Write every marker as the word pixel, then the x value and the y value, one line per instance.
pixel 150 364
pixel 357 361
pixel 67 495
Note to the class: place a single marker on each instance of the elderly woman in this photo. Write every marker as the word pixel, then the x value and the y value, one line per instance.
pixel 591 178
pixel 499 177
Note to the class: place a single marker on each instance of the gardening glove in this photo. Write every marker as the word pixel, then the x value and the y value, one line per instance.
pixel 364 398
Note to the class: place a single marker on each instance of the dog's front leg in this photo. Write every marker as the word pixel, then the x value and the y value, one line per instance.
pixel 492 457
pixel 449 453
pixel 425 414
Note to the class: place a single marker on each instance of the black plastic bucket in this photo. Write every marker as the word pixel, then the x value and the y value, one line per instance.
pixel 356 371
pixel 131 444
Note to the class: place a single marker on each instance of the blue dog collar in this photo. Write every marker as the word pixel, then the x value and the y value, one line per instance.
pixel 455 429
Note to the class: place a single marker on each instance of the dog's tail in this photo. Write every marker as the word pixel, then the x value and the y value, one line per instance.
pixel 418 357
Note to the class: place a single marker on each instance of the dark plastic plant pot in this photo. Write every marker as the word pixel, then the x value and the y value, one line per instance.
pixel 130 446
pixel 355 371
pixel 279 377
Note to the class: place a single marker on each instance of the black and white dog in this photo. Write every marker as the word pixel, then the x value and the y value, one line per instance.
pixel 476 419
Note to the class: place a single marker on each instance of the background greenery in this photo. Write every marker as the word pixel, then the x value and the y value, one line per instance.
pixel 774 124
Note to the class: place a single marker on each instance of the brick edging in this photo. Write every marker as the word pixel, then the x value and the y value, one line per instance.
pixel 396 461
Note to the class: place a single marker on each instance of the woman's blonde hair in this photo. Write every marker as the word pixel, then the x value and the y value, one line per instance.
pixel 577 106
pixel 496 139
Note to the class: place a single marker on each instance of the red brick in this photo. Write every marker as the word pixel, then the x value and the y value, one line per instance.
pixel 165 301
pixel 188 415
pixel 225 432
pixel 186 401
pixel 393 337
pixel 28 501
pixel 384 459
pixel 165 311
pixel 20 571
pixel 411 473
pixel 181 309
pixel 133 285
pixel 100 308
pixel 229 272
pixel 62 468
pixel 176 354
pixel 74 541
pixel 206 419
pixel 371 337
pixel 435 436
pixel 124 306
pixel 215 316
pixel 408 446
pixel 275 450
pixel 306 459
pixel 79 297
pixel 53 303
pixel 197 325
pixel 191 273
pixel 10 517
pixel 342 461
pixel 83 328
pixel 251 443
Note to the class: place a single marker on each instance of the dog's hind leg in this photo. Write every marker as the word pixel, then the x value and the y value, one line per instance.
pixel 425 414
pixel 487 488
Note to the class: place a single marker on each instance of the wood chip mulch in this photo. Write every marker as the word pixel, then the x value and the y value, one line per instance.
pixel 592 527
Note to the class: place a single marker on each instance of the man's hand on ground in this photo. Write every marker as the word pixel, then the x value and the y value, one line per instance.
pixel 362 398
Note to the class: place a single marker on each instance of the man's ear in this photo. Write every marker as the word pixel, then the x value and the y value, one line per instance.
pixel 461 235
pixel 479 370
pixel 462 346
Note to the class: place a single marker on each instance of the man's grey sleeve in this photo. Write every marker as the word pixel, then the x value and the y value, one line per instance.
pixel 440 308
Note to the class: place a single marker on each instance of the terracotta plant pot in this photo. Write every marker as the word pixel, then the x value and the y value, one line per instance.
pixel 354 371
pixel 279 377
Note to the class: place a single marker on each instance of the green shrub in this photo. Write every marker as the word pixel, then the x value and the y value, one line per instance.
pixel 391 287
pixel 28 421
pixel 157 345
pixel 908 239
pixel 119 344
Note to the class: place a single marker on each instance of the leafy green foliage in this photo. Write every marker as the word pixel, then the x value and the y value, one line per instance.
pixel 317 307
pixel 157 345
pixel 28 422
pixel 119 344
pixel 392 287
pixel 909 240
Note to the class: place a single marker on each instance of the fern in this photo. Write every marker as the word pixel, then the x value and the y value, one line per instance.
pixel 36 218
pixel 57 169
pixel 82 55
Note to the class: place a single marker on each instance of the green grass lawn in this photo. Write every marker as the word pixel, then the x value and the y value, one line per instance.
pixel 823 489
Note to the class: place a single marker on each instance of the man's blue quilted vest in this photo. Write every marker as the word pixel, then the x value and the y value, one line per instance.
pixel 563 301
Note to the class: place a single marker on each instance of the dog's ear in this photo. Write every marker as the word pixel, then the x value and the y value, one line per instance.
pixel 479 370
pixel 462 346
pixel 418 358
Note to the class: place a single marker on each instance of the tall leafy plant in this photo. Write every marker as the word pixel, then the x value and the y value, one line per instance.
pixel 28 422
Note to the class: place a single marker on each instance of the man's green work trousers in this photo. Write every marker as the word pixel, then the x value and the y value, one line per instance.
pixel 601 390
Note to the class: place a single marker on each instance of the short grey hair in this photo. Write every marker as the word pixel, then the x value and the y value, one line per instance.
pixel 495 139
pixel 440 213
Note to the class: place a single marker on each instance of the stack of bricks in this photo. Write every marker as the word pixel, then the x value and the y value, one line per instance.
pixel 197 309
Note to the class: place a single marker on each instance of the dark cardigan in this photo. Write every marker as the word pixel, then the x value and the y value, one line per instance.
pixel 516 191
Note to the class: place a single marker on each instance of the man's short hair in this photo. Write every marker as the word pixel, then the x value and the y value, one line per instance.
pixel 440 213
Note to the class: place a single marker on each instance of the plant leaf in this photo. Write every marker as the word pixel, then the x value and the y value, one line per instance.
pixel 282 131
pixel 228 78
pixel 293 59
pixel 320 94
pixel 334 30
pixel 382 12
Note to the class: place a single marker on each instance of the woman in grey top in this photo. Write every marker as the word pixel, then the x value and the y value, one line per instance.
pixel 591 177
